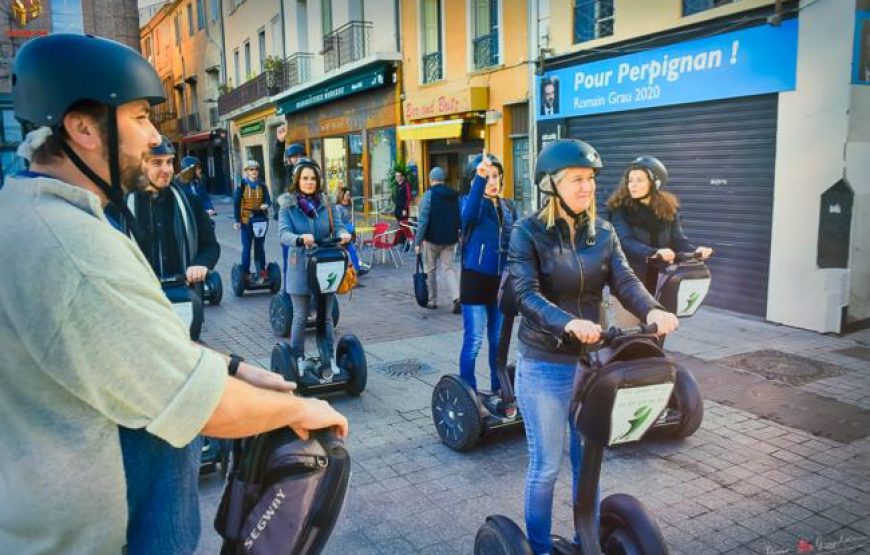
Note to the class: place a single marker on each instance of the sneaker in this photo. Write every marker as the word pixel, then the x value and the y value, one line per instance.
pixel 457 308
pixel 329 372
pixel 432 306
pixel 264 275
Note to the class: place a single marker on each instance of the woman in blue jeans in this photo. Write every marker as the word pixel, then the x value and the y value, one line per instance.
pixel 559 261
pixel 486 223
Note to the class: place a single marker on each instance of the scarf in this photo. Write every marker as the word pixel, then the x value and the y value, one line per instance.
pixel 308 203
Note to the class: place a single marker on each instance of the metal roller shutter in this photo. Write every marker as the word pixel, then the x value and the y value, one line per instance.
pixel 720 156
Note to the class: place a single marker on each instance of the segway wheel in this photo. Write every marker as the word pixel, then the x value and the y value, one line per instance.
pixel 274 273
pixel 281 314
pixel 335 312
pixel 215 288
pixel 500 535
pixel 686 405
pixel 284 362
pixel 238 279
pixel 456 413
pixel 627 527
pixel 350 356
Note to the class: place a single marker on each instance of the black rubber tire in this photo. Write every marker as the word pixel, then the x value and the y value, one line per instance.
pixel 500 535
pixel 686 399
pixel 238 280
pixel 215 288
pixel 351 357
pixel 336 312
pixel 284 362
pixel 196 321
pixel 456 413
pixel 274 273
pixel 627 527
pixel 281 314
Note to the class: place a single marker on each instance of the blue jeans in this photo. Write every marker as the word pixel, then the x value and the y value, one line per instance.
pixel 351 249
pixel 476 317
pixel 544 390
pixel 259 252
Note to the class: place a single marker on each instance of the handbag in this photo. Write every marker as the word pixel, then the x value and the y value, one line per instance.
pixel 350 278
pixel 421 284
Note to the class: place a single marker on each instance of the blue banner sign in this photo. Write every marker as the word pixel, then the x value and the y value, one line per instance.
pixel 758 60
pixel 861 58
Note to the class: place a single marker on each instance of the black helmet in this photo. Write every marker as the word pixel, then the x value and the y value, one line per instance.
pixel 306 163
pixel 295 149
pixel 51 73
pixel 164 148
pixel 471 168
pixel 189 162
pixel 657 171
pixel 562 154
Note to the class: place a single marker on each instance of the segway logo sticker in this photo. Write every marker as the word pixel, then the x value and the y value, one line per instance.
pixel 693 298
pixel 691 295
pixel 635 409
pixel 270 512
pixel 330 280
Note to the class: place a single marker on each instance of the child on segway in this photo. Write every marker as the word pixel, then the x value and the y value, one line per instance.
pixel 304 220
pixel 251 202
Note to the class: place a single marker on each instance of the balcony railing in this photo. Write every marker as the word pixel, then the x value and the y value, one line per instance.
pixel 347 44
pixel 249 92
pixel 485 50
pixel 297 69
pixel 294 70
pixel 214 119
pixel 432 67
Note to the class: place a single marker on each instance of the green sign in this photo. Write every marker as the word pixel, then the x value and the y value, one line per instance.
pixel 350 84
pixel 252 128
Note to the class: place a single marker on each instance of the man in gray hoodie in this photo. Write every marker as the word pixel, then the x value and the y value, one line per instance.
pixel 438 235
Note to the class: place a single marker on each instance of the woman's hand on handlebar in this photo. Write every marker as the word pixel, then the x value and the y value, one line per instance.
pixel 344 238
pixel 586 331
pixel 666 255
pixel 665 321
pixel 704 252
pixel 307 239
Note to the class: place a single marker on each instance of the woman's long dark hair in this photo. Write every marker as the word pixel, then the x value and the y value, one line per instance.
pixel 662 203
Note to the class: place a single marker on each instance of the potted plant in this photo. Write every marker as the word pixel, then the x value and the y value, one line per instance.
pixel 224 88
pixel 273 66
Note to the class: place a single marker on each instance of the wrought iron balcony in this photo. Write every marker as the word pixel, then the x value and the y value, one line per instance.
pixel 432 67
pixel 293 70
pixel 347 44
pixel 297 69
pixel 485 51
pixel 248 92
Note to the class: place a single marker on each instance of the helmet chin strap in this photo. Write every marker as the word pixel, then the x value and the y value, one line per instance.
pixel 590 225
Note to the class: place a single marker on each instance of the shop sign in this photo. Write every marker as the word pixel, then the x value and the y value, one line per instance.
pixel 435 104
pixel 252 128
pixel 24 12
pixel 329 92
pixel 753 61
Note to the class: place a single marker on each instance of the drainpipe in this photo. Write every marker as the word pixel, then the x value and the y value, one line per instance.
pixel 534 24
pixel 227 124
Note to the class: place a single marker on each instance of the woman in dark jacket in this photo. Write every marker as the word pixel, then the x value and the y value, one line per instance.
pixel 647 219
pixel 486 223
pixel 559 262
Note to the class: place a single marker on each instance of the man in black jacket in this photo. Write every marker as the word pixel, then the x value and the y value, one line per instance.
pixel 438 234
pixel 177 237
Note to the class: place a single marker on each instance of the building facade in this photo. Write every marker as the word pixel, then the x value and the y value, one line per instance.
pixel 465 88
pixel 753 108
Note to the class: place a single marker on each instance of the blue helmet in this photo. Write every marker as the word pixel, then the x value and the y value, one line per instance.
pixel 165 148
pixel 295 149
pixel 189 161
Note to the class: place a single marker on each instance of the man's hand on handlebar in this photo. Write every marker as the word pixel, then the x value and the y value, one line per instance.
pixel 704 252
pixel 316 415
pixel 585 331
pixel 666 255
pixel 195 274
pixel 264 207
pixel 666 321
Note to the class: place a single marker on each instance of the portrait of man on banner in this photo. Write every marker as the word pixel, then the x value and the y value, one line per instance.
pixel 549 96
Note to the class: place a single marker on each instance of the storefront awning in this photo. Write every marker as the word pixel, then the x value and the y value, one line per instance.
pixel 197 137
pixel 448 129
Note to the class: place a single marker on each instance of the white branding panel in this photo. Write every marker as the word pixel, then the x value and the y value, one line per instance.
pixel 330 275
pixel 691 295
pixel 635 409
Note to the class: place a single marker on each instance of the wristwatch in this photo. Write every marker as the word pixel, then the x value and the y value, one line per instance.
pixel 233 367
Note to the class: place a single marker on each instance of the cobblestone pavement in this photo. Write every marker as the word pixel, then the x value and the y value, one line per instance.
pixel 741 484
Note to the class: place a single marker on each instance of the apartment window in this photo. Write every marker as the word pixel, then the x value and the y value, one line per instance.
pixel 695 6
pixel 277 36
pixel 355 10
pixel 215 10
pixel 236 67
pixel 190 28
pixel 66 17
pixel 430 12
pixel 247 60
pixel 261 43
pixel 148 48
pixel 200 15
pixel 326 16
pixel 593 19
pixel 484 27
pixel 177 29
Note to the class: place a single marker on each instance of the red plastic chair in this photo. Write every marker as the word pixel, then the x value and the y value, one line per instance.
pixel 382 240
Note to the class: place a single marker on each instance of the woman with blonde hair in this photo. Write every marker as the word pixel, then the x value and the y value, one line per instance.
pixel 559 261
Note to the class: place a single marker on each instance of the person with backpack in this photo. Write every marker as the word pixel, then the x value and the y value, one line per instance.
pixel 251 197
pixel 438 236
pixel 487 219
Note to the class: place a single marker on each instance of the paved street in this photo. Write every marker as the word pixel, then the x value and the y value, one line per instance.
pixel 772 465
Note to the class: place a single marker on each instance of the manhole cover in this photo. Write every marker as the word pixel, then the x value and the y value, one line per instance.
pixel 783 367
pixel 402 368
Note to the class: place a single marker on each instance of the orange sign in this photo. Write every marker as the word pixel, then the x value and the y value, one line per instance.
pixel 26 11
pixel 436 103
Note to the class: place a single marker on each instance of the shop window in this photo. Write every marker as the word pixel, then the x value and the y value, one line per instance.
pixel 694 6
pixel 593 19
pixel 484 25
pixel 430 34
pixel 317 151
pixel 334 164
pixel 382 156
pixel 355 166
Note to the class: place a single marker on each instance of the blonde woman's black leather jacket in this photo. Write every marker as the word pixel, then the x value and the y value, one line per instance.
pixel 556 282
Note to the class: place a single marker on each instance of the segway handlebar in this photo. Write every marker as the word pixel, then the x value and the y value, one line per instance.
pixel 174 279
pixel 614 333
pixel 678 257
pixel 330 241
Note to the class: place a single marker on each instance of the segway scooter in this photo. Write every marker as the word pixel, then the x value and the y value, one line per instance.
pixel 242 281
pixel 461 416
pixel 627 385
pixel 681 288
pixel 326 265
pixel 186 301
pixel 281 313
